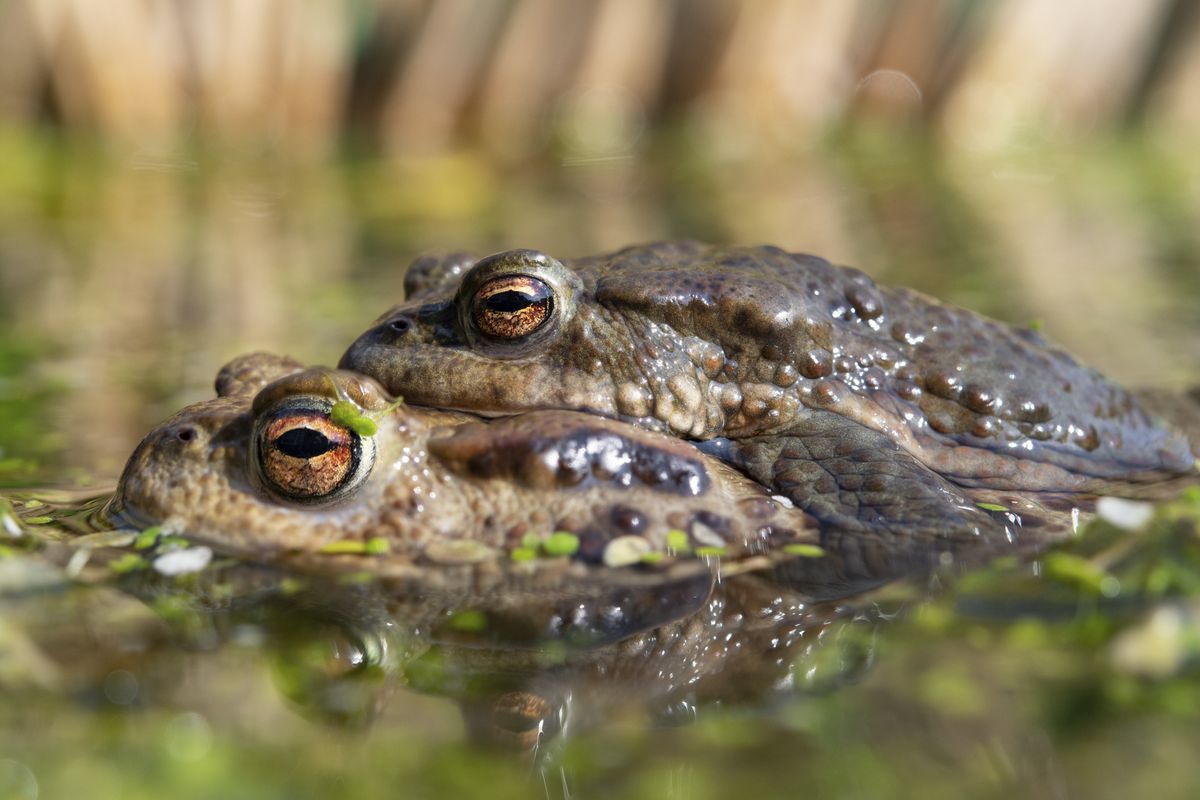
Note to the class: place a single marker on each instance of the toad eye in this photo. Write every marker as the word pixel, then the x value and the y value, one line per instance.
pixel 512 306
pixel 302 455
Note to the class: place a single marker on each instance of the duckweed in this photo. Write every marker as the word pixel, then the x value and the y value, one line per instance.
pixel 805 550
pixel 556 545
pixel 561 543
pixel 523 554
pixel 677 539
pixel 992 507
pixel 146 539
pixel 348 415
pixel 710 550
pixel 129 562
pixel 345 412
pixel 172 542
pixel 377 546
pixel 353 547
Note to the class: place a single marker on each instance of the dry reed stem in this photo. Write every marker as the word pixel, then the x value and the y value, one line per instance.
pixel 280 74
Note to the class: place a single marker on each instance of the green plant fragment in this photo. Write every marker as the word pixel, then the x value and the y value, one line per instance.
pixel 523 554
pixel 146 539
pixel 805 550
pixel 377 546
pixel 468 620
pixel 677 539
pixel 343 413
pixel 561 543
pixel 127 563
pixel 363 426
pixel 344 546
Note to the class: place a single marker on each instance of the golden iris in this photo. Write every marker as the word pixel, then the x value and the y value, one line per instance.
pixel 304 456
pixel 512 306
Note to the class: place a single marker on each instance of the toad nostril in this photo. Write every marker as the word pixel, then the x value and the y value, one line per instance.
pixel 186 434
pixel 400 324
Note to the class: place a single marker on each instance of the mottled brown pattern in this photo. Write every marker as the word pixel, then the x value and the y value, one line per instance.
pixel 737 342
pixel 438 477
pixel 453 496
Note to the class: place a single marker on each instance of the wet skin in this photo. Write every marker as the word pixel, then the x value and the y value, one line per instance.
pixel 267 471
pixel 263 470
pixel 873 408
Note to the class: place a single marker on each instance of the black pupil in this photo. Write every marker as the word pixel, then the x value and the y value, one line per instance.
pixel 303 443
pixel 511 300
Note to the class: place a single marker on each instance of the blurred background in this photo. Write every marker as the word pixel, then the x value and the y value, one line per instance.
pixel 181 180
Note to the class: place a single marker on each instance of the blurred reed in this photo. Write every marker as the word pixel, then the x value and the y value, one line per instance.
pixel 518 76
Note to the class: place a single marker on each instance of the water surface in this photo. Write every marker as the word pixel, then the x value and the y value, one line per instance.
pixel 126 281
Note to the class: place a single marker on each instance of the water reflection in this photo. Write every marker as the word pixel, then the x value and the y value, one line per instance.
pixel 714 676
pixel 529 656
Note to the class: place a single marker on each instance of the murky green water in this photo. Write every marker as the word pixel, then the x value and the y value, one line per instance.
pixel 126 281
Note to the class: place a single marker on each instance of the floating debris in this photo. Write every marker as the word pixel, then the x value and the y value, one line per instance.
pixel 678 540
pixel 147 538
pixel 458 551
pixel 348 415
pixel 1128 515
pixel 117 538
pixel 371 547
pixel 130 562
pixel 561 543
pixel 625 550
pixel 804 550
pixel 182 562
pixel 8 519
pixel 706 536
pixel 377 547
